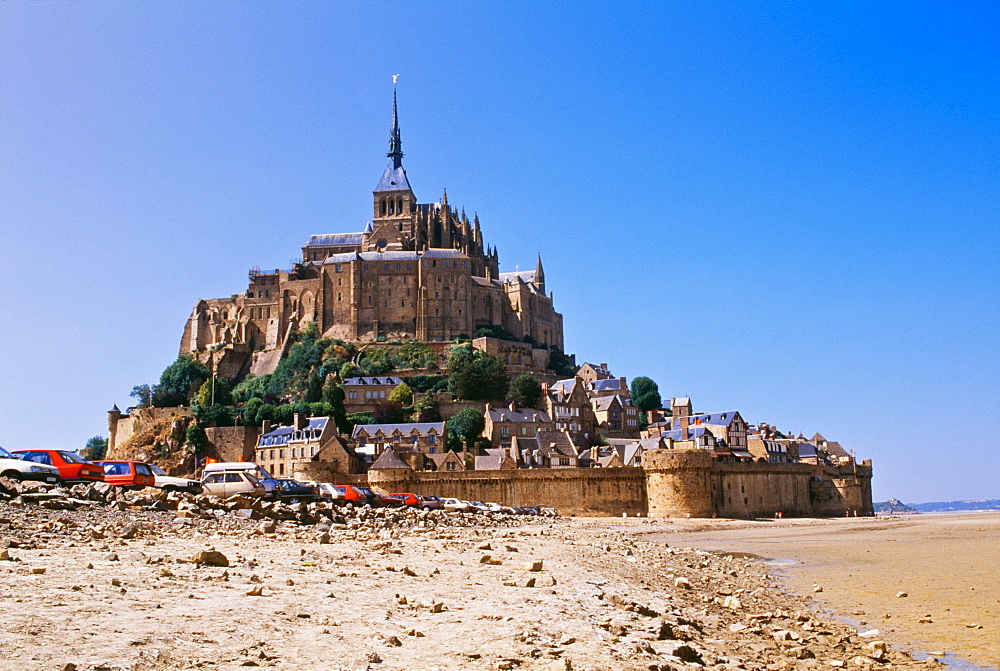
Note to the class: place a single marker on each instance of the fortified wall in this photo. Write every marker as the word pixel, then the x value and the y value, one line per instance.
pixel 688 483
pixel 574 491
pixel 671 483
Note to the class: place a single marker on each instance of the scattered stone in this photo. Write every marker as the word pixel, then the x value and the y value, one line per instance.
pixel 210 558
pixel 901 595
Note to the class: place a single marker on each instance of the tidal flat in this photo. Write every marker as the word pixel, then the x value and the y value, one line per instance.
pixel 857 568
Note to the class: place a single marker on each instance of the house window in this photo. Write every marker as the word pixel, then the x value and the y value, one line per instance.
pixel 564 461
pixel 337 267
pixel 450 466
pixel 352 394
pixel 504 431
pixel 431 439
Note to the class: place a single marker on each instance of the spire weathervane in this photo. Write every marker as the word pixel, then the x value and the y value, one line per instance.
pixel 395 144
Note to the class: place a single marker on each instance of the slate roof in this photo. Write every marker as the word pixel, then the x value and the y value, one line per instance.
pixel 353 381
pixel 834 449
pixel 555 443
pixel 692 433
pixel 606 385
pixel 602 403
pixel 719 418
pixel 523 415
pixel 388 459
pixel 598 368
pixel 807 450
pixel 347 257
pixel 335 240
pixel 283 434
pixel 393 179
pixel 525 275
pixel 404 428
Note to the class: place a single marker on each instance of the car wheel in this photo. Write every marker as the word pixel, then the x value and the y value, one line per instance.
pixel 170 488
pixel 427 508
pixel 13 475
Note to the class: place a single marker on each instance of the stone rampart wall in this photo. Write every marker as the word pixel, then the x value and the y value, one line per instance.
pixel 232 443
pixel 688 483
pixel 592 491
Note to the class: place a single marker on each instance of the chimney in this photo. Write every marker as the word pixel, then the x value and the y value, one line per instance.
pixel 684 427
pixel 513 406
pixel 265 426
pixel 545 388
pixel 299 420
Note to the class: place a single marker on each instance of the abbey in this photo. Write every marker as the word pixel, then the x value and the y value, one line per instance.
pixel 417 271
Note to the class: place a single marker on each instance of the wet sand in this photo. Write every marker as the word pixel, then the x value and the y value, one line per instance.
pixel 946 563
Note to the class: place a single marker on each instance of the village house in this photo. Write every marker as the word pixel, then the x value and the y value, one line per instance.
pixel 615 386
pixel 615 417
pixel 507 421
pixel 548 449
pixel 424 437
pixel 771 450
pixel 364 393
pixel 283 451
pixel 589 372
pixel 567 403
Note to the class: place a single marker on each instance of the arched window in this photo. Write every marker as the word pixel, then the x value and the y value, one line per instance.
pixel 383 208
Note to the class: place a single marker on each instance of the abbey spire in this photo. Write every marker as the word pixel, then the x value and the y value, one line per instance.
pixel 395 144
pixel 393 196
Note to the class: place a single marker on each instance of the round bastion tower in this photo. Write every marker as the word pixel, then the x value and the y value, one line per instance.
pixel 678 483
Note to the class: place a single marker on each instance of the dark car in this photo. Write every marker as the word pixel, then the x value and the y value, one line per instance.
pixel 294 491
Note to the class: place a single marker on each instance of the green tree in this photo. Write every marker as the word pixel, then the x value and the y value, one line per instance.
pixel 467 425
pixel 350 369
pixel 195 438
pixel 560 363
pixel 251 387
pixel 143 394
pixel 645 394
pixel 474 375
pixel 179 382
pixel 215 391
pixel 356 418
pixel 526 391
pixel 402 393
pixel 213 415
pixel 96 448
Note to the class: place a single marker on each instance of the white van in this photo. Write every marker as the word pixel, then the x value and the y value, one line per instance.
pixel 258 472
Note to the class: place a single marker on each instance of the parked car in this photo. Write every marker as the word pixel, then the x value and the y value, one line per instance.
pixel 529 510
pixel 407 498
pixel 12 466
pixel 228 483
pixel 359 496
pixel 169 483
pixel 130 474
pixel 455 505
pixel 71 466
pixel 332 493
pixel 430 502
pixel 259 473
pixel 294 491
pixel 478 506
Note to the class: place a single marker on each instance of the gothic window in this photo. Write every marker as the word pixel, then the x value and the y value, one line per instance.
pixel 402 304
pixel 399 206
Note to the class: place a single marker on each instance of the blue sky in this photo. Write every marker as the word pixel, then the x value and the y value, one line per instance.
pixel 785 208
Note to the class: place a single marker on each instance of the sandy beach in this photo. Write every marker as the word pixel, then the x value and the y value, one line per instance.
pixel 945 563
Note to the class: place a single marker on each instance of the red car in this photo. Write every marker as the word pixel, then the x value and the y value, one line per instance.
pixel 131 474
pixel 72 467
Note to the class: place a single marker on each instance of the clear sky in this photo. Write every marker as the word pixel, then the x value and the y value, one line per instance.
pixel 785 208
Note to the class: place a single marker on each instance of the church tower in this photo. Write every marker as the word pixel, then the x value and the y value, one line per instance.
pixel 394 202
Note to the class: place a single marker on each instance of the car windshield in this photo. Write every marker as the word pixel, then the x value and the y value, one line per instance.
pixel 4 454
pixel 365 491
pixel 157 470
pixel 72 457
